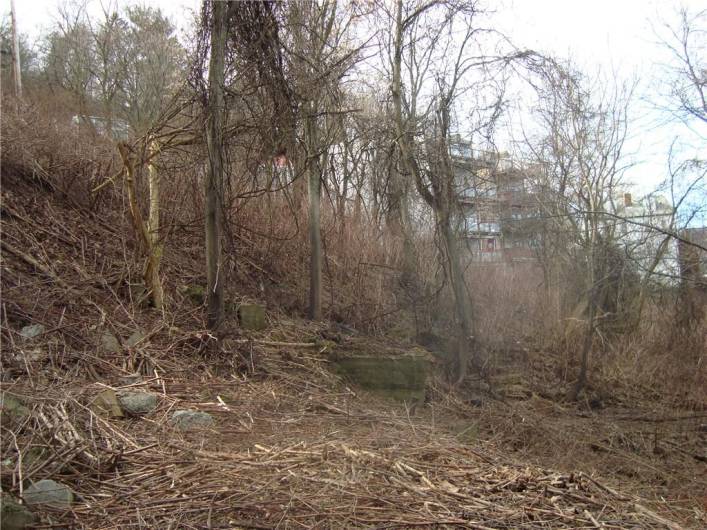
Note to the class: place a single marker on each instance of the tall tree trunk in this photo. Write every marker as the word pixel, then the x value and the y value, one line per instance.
pixel 399 223
pixel 315 237
pixel 147 237
pixel 461 298
pixel 214 178
pixel 16 67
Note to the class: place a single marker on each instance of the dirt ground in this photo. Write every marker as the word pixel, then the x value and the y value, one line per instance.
pixel 294 447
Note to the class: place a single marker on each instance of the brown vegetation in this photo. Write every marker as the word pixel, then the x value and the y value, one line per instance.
pixel 569 385
pixel 76 260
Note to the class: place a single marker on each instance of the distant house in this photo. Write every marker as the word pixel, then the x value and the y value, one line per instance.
pixel 498 204
pixel 645 225
pixel 119 129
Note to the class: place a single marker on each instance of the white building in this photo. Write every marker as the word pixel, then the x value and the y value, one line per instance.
pixel 645 225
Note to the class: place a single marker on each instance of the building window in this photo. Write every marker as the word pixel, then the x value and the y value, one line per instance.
pixel 490 245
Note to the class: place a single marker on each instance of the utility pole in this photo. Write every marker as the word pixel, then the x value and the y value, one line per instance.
pixel 16 52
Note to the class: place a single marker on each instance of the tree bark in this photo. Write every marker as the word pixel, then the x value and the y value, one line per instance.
pixel 152 273
pixel 315 237
pixel 461 305
pixel 583 376
pixel 16 67
pixel 214 177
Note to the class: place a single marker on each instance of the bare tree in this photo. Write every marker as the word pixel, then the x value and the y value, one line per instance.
pixel 154 64
pixel 687 73
pixel 69 56
pixel 584 127
pixel 431 50
pixel 28 56
pixel 319 54
pixel 124 64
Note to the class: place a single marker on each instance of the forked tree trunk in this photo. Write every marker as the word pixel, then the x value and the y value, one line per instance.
pixel 214 177
pixel 583 376
pixel 147 237
pixel 597 290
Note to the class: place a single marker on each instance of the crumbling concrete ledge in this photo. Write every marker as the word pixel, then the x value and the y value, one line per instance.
pixel 390 372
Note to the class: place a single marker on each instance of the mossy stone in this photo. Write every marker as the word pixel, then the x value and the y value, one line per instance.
pixel 12 406
pixel 401 378
pixel 32 331
pixel 139 294
pixel 195 293
pixel 252 317
pixel 135 338
pixel 35 455
pixel 13 515
pixel 49 492
pixel 106 404
pixel 137 402
pixel 187 420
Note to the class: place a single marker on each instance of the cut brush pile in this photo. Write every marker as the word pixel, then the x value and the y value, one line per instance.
pixel 288 452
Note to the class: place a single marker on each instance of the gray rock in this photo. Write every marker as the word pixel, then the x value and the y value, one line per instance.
pixel 109 343
pixel 137 402
pixel 133 339
pixel 34 356
pixel 130 379
pixel 32 331
pixel 13 515
pixel 186 420
pixel 138 293
pixel 12 405
pixel 49 492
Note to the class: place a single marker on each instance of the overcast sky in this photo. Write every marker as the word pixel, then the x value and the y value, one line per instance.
pixel 613 35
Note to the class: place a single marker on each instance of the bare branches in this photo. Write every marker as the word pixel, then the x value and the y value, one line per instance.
pixel 686 84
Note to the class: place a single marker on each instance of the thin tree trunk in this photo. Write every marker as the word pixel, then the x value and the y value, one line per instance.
pixel 16 67
pixel 315 238
pixel 596 292
pixel 152 275
pixel 582 379
pixel 214 177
